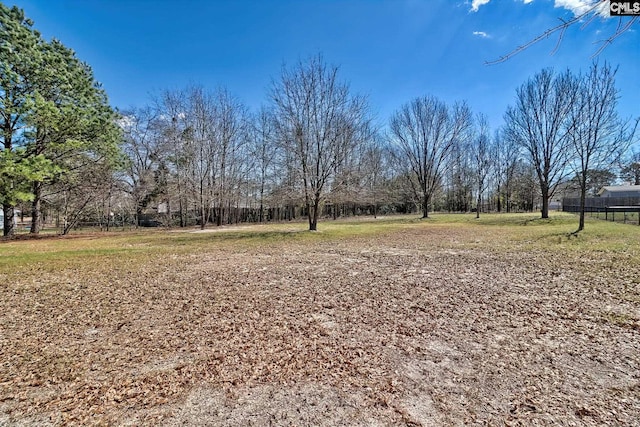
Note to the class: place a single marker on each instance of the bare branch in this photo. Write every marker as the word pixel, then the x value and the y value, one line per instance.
pixel 591 13
pixel 621 30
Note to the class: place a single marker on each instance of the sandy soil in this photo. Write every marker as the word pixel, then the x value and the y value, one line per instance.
pixel 426 327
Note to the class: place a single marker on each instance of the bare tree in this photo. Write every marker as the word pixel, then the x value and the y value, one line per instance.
pixel 230 127
pixel 459 178
pixel 143 147
pixel 599 138
pixel 198 150
pixel 72 198
pixel 317 119
pixel 524 194
pixel 203 166
pixel 538 125
pixel 348 190
pixel 263 154
pixel 374 167
pixel 481 149
pixel 425 131
pixel 505 155
pixel 630 170
pixel 172 107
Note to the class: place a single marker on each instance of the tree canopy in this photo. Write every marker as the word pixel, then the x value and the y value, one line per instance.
pixel 54 115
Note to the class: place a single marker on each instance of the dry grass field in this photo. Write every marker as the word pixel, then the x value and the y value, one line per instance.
pixel 504 320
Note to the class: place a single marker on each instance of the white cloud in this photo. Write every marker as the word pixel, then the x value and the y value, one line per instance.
pixel 475 4
pixel 481 34
pixel 579 7
pixel 126 122
pixel 168 118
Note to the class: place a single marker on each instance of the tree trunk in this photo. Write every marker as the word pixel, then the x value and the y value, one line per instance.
pixel 219 218
pixel 545 202
pixel 109 208
pixel 478 204
pixel 425 205
pixel 9 212
pixel 312 224
pixel 180 202
pixel 202 215
pixel 262 180
pixel 36 213
pixel 138 214
pixel 314 212
pixel 583 196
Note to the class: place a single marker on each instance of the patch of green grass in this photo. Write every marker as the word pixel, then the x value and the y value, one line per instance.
pixel 560 227
pixel 495 232
pixel 507 219
pixel 62 252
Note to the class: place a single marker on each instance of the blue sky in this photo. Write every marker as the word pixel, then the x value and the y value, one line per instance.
pixel 391 51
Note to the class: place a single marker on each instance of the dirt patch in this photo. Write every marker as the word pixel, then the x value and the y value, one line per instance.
pixel 415 329
pixel 300 404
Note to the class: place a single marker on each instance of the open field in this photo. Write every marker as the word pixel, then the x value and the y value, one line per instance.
pixel 391 322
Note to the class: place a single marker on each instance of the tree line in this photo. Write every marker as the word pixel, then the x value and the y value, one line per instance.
pixel 313 149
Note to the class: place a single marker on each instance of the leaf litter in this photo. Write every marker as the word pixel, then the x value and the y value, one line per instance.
pixel 409 329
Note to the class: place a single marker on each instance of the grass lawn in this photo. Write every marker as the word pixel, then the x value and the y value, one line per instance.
pixel 505 320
